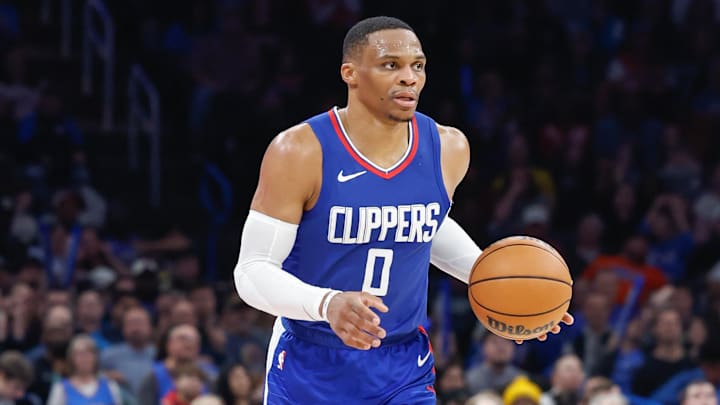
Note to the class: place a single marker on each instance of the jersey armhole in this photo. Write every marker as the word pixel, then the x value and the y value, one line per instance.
pixel 437 157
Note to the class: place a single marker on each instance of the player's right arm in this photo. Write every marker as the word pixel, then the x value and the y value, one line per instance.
pixel 289 184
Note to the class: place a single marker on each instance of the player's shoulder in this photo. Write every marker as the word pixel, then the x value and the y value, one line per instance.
pixel 452 139
pixel 296 142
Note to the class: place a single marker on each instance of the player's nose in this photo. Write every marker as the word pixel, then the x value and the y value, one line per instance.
pixel 407 76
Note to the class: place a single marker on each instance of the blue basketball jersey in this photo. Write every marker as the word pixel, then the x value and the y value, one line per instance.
pixel 371 228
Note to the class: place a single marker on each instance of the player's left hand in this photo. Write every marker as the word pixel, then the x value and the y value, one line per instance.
pixel 567 319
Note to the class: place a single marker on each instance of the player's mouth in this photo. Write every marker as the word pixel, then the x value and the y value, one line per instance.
pixel 405 99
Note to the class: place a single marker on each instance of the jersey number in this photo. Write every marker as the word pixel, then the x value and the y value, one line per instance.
pixel 386 255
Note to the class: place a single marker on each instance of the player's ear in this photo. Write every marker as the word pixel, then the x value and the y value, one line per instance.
pixel 348 73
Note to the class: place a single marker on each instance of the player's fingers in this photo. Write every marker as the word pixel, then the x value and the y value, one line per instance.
pixel 361 309
pixel 555 329
pixel 542 337
pixel 366 325
pixel 518 341
pixel 375 302
pixel 352 336
pixel 568 319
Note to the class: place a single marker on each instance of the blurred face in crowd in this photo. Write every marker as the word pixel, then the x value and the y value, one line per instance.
pixel 606 283
pixel 183 343
pixel 183 313
pixel 21 296
pixel 11 388
pixel 498 351
pixel 624 201
pixel 636 249
pixel 239 318
pixel 597 310
pixel 203 299
pixel 137 328
pixel 453 379
pixel 568 374
pixel 668 327
pixel 58 330
pixel 661 226
pixel 120 306
pixel 89 308
pixel 57 297
pixel 188 386
pixel 187 268
pixel 590 230
pixel 700 393
pixel 682 301
pixel 83 356
pixel 239 382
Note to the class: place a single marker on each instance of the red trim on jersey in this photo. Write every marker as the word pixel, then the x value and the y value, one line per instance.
pixel 431 389
pixel 364 163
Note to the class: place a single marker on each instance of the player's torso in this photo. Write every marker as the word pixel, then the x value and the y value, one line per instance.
pixel 371 229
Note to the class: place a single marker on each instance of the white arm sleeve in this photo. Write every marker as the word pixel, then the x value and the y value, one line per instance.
pixel 453 251
pixel 259 279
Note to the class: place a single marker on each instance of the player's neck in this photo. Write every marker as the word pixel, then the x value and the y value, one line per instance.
pixel 374 137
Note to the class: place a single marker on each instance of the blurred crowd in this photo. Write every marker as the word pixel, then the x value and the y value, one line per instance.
pixel 593 125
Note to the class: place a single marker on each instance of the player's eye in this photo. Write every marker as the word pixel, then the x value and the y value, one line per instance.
pixel 390 65
pixel 419 66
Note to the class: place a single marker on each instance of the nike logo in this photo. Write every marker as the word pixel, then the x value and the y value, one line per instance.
pixel 343 178
pixel 422 360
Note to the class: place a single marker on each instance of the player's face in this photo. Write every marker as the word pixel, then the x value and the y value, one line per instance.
pixel 391 73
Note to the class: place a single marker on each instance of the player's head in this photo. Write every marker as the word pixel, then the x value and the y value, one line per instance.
pixel 384 67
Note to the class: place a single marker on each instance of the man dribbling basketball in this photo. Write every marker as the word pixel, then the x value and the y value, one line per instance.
pixel 350 209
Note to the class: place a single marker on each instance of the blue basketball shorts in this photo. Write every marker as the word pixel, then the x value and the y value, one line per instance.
pixel 304 370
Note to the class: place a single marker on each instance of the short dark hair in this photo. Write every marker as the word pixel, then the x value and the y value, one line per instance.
pixel 14 366
pixel 357 36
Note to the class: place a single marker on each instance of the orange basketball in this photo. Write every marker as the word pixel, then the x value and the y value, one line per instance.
pixel 520 287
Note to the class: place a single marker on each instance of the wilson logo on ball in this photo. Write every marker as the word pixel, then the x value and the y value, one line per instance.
pixel 517 330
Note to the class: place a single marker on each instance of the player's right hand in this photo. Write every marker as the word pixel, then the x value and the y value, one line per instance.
pixel 351 318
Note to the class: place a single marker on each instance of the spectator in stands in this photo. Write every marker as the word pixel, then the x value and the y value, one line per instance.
pixel 631 267
pixel 566 380
pixel 89 312
pixel 16 374
pixel 522 391
pixel 130 361
pixel 50 357
pixel 234 385
pixel 621 218
pixel 496 370
pixel 84 385
pixel 451 386
pixel 668 226
pixel 181 345
pixel 699 392
pixel 587 244
pixel 708 370
pixel 624 357
pixel 22 330
pixel 592 343
pixel 668 356
pixel 239 321
pixel 488 397
pixel 189 383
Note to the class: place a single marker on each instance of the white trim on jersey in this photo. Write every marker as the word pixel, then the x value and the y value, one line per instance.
pixel 278 330
pixel 368 161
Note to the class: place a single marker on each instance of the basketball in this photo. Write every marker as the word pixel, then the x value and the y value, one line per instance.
pixel 520 287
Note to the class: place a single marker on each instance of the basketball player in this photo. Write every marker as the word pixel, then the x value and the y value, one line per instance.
pixel 350 209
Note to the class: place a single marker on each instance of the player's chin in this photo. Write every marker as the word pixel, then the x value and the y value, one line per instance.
pixel 402 116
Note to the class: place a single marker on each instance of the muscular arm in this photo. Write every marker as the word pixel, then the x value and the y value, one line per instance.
pixel 289 177
pixel 453 251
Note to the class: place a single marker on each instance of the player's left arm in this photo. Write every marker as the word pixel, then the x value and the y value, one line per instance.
pixel 453 250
